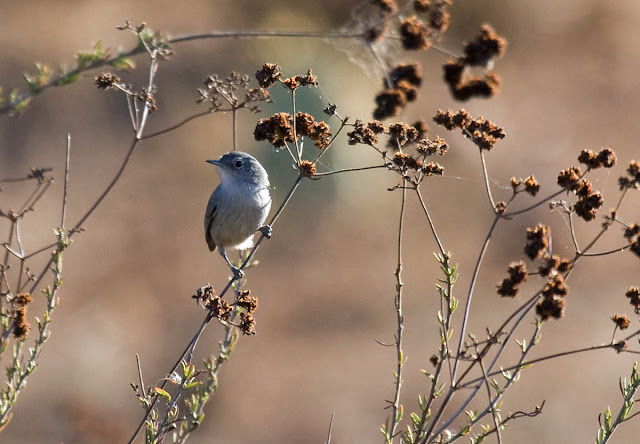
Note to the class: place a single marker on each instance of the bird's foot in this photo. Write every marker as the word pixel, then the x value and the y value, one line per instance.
pixel 237 273
pixel 266 230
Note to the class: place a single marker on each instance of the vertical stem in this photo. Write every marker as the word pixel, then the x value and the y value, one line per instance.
pixel 66 182
pixel 398 303
pixel 467 306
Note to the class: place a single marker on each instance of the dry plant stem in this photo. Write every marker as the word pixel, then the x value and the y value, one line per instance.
pixel 400 319
pixel 535 205
pixel 66 182
pixel 498 396
pixel 295 129
pixel 333 415
pixel 486 180
pixel 527 307
pixel 187 38
pixel 152 72
pixel 433 228
pixel 496 421
pixel 19 371
pixel 234 130
pixel 453 387
pixel 349 170
pixel 188 351
pixel 474 278
pixel 343 123
pixel 177 125
pixel 560 354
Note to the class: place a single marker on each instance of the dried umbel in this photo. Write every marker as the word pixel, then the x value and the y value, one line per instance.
pixel 537 241
pixel 482 51
pixel 517 275
pixel 484 133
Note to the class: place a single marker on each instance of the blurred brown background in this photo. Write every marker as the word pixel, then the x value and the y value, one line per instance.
pixel 325 281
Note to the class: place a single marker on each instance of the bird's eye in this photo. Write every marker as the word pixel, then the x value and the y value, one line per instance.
pixel 238 164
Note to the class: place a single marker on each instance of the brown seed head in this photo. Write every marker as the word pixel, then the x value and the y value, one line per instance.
pixel 537 241
pixel 278 129
pixel 432 169
pixel 308 169
pixel 414 33
pixel 634 298
pixel 247 324
pixel 622 321
pixel 20 325
pixel 268 75
pixel 484 48
pixel 106 80
pixel 389 103
pixel 428 147
pixel 246 301
pixel 551 307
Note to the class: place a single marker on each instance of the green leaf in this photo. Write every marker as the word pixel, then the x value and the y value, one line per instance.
pixel 163 393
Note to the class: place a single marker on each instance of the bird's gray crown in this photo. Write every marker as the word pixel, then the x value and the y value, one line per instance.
pixel 242 166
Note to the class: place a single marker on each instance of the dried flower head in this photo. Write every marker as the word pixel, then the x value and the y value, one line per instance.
pixel 487 46
pixel 620 346
pixel 400 134
pixel 22 299
pixel 605 158
pixel 551 307
pixel 555 287
pixel 308 169
pixel 19 324
pixel 409 72
pixel 106 80
pixel 634 298
pixel 365 134
pixel 421 128
pixel 268 75
pixel 633 178
pixel 517 275
pixel 622 321
pixel 278 129
pixel 570 178
pixel 414 33
pixel 587 206
pixel 432 169
pixel 300 80
pixel 247 324
pixel 439 19
pixel 487 86
pixel 406 162
pixel 537 241
pixel 316 131
pixel 246 301
pixel 389 103
pixel 429 147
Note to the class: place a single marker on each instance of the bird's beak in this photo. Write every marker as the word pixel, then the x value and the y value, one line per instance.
pixel 214 162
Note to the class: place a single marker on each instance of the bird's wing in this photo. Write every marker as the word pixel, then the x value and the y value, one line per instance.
pixel 209 216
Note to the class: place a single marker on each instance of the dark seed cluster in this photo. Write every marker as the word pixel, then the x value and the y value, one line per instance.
pixel 484 133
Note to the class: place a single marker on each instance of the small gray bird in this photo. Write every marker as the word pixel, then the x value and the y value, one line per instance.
pixel 239 206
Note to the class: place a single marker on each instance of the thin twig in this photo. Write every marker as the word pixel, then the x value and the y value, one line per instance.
pixel 177 125
pixel 66 182
pixel 400 320
pixel 431 225
pixel 333 415
pixel 474 277
pixel 144 393
pixel 349 170
pixel 486 180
